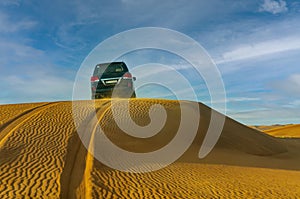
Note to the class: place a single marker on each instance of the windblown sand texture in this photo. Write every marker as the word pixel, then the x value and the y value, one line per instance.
pixel 286 131
pixel 42 156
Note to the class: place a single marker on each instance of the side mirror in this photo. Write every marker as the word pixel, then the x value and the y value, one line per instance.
pixel 134 78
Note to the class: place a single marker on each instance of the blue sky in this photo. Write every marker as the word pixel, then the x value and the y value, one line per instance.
pixel 254 43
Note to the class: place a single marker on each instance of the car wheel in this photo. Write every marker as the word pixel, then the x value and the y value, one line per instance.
pixel 133 95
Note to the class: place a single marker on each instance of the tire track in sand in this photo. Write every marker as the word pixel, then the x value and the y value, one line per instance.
pixel 10 111
pixel 75 175
pixel 33 155
pixel 7 128
pixel 20 144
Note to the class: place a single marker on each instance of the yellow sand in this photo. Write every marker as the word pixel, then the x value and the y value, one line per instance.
pixel 292 131
pixel 42 156
pixel 9 112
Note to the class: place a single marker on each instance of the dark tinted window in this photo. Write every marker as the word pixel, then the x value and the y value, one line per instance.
pixel 110 68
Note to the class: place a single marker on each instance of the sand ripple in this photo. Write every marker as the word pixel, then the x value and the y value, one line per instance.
pixel 32 156
pixel 42 156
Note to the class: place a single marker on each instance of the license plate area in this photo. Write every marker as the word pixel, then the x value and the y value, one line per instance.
pixel 111 81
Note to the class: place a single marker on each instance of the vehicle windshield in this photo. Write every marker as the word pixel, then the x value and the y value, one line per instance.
pixel 110 68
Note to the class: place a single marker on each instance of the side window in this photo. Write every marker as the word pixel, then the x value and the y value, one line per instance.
pixel 98 70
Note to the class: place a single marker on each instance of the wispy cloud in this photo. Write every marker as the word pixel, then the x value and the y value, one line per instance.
pixel 40 86
pixel 9 26
pixel 253 50
pixel 289 86
pixel 28 74
pixel 242 99
pixel 274 6
pixel 46 41
pixel 19 51
pixel 27 71
pixel 294 104
pixel 268 116
pixel 280 105
pixel 10 2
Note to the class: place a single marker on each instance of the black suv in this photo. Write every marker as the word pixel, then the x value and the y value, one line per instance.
pixel 112 78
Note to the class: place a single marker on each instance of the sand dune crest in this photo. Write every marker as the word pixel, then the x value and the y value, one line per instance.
pixel 43 156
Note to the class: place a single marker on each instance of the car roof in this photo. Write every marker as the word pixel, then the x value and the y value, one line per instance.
pixel 108 63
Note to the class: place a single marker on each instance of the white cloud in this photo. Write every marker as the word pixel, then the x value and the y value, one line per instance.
pixel 242 99
pixel 267 116
pixel 10 2
pixel 41 86
pixel 289 86
pixel 254 50
pixel 233 100
pixel 163 70
pixel 29 74
pixel 18 51
pixel 273 6
pixel 9 26
pixel 295 103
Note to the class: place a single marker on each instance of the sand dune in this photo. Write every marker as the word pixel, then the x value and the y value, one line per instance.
pixel 42 156
pixel 32 153
pixel 9 112
pixel 286 131
pixel 193 180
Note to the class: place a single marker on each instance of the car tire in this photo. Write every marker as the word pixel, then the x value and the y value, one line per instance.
pixel 133 95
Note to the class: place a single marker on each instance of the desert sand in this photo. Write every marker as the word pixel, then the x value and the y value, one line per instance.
pixel 42 156
pixel 284 131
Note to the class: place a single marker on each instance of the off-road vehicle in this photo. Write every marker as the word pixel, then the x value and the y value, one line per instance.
pixel 112 80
